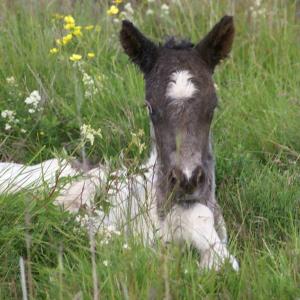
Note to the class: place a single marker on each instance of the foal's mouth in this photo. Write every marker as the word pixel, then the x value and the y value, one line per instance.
pixel 186 200
pixel 188 203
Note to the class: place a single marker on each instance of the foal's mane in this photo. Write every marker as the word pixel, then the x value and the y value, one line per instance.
pixel 172 42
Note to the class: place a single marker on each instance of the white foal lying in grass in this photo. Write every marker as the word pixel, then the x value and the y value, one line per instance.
pixel 175 198
pixel 131 200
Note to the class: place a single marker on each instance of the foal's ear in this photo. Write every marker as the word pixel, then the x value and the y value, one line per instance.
pixel 141 50
pixel 217 44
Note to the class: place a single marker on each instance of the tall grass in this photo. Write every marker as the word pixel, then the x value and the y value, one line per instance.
pixel 256 138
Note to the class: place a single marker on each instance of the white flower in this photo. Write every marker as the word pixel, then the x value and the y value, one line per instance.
pixel 7 126
pixel 10 117
pixel 116 20
pixel 33 100
pixel 31 111
pixel 89 84
pixel 29 100
pixel 165 8
pixel 125 246
pixel 129 8
pixel 23 130
pixel 105 263
pixel 88 133
pixel 11 80
pixel 36 95
pixel 149 12
pixel 257 2
pixel 8 114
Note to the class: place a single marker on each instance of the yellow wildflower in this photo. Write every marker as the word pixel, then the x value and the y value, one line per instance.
pixel 66 39
pixel 69 26
pixel 58 42
pixel 53 51
pixel 77 31
pixel 69 20
pixel 91 55
pixel 75 57
pixel 113 10
pixel 118 1
pixel 89 27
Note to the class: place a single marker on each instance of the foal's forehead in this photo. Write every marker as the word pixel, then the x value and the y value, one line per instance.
pixel 179 75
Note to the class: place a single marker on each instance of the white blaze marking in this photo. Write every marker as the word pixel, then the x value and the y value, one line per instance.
pixel 188 173
pixel 181 87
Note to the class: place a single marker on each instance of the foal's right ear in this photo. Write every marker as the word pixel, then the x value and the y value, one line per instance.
pixel 141 50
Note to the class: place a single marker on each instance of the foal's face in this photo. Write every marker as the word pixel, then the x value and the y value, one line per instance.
pixel 181 99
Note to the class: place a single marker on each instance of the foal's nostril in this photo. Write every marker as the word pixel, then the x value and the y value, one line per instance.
pixel 176 178
pixel 173 178
pixel 199 176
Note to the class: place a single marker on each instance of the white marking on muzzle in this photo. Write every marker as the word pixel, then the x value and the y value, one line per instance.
pixel 188 173
pixel 180 87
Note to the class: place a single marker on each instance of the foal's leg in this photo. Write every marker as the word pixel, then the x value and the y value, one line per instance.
pixel 15 177
pixel 220 224
pixel 196 226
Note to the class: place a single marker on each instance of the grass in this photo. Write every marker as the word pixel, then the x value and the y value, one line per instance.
pixel 256 137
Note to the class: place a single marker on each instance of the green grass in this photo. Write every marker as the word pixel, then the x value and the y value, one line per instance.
pixel 256 137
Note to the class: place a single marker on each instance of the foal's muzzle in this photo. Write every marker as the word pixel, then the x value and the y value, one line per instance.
pixel 180 182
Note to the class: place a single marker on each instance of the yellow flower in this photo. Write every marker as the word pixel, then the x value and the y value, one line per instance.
pixel 113 10
pixel 91 55
pixel 75 57
pixel 69 26
pixel 77 31
pixel 89 27
pixel 69 20
pixel 66 39
pixel 118 1
pixel 53 51
pixel 58 42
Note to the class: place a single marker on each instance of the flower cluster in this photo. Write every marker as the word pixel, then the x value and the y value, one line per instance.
pixel 164 10
pixel 108 233
pixel 13 88
pixel 11 81
pixel 73 33
pixel 89 84
pixel 10 118
pixel 33 102
pixel 120 13
pixel 136 141
pixel 88 133
pixel 256 9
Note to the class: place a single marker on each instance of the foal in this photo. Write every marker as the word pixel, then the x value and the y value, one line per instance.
pixel 175 200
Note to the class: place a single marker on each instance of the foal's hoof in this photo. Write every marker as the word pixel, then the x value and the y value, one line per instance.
pixel 212 260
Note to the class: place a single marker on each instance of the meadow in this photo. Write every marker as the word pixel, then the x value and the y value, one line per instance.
pixel 64 78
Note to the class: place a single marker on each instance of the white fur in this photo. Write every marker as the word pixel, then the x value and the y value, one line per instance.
pixel 132 204
pixel 188 173
pixel 180 86
pixel 14 177
pixel 196 226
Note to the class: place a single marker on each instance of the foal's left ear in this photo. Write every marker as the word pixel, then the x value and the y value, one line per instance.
pixel 217 44
pixel 140 49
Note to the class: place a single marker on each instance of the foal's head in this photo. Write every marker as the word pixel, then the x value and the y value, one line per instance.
pixel 181 99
